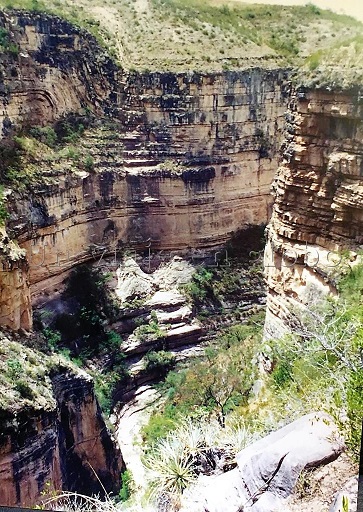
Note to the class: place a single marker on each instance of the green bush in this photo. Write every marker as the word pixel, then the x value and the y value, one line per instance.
pixel 14 369
pixel 6 44
pixel 127 486
pixel 24 389
pixel 88 163
pixel 355 410
pixel 46 135
pixel 52 337
pixel 151 329
pixel 282 374
pixel 4 214
pixel 161 360
pixel 159 425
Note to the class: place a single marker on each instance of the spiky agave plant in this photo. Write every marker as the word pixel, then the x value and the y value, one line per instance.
pixel 169 466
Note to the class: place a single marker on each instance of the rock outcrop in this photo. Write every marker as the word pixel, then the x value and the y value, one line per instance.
pixel 318 193
pixel 268 469
pixel 52 434
pixel 53 68
pixel 186 160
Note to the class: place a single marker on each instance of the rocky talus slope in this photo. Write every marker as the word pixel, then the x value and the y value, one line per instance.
pixel 318 192
pixel 52 433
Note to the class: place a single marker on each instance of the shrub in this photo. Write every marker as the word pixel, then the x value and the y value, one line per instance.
pixel 161 360
pixel 127 485
pixel 14 369
pixel 282 374
pixel 88 163
pixel 46 135
pixel 4 214
pixel 52 337
pixel 159 425
pixel 24 389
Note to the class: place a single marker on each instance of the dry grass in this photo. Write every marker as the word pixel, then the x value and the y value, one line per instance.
pixel 209 35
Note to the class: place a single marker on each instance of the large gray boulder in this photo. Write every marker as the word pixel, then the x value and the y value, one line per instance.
pixel 268 469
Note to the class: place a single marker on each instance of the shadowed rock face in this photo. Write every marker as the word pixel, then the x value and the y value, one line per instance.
pixel 187 161
pixel 55 70
pixel 318 193
pixel 57 445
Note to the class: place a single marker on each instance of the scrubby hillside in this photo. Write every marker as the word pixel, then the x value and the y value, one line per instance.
pixel 203 35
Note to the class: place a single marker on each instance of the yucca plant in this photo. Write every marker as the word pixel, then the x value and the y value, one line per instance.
pixel 170 466
pixel 174 463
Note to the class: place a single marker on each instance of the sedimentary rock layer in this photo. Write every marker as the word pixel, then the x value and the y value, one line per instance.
pixel 52 433
pixel 188 160
pixel 318 198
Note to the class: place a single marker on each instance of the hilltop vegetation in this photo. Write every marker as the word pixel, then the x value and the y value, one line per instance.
pixel 178 35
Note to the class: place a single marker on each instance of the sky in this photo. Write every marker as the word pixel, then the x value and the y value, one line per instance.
pixel 351 7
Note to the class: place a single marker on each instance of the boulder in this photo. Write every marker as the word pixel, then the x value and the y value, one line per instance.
pixel 269 468
pixel 133 283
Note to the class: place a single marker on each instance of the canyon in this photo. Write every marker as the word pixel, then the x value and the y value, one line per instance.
pixel 178 163
pixel 188 161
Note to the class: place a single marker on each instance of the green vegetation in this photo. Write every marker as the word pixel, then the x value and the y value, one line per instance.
pixel 225 288
pixel 25 156
pixel 162 361
pixel 25 374
pixel 83 337
pixel 150 330
pixel 340 64
pixel 214 385
pixel 3 210
pixel 17 376
pixel 317 367
pixel 127 486
pixel 175 461
pixel 246 34
pixel 6 45
pixel 320 363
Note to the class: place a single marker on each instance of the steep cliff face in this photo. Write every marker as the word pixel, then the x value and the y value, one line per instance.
pixel 318 193
pixel 187 160
pixel 49 68
pixel 52 431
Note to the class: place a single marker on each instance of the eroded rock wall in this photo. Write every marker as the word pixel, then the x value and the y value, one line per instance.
pixel 55 446
pixel 318 201
pixel 51 68
pixel 188 160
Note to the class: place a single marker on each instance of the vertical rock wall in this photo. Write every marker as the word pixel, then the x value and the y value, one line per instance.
pixel 61 445
pixel 318 200
pixel 180 160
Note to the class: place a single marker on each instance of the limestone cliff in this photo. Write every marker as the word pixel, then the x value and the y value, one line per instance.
pixel 50 69
pixel 187 159
pixel 318 198
pixel 52 431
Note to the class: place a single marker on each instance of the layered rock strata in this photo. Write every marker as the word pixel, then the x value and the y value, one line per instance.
pixel 187 160
pixel 318 198
pixel 52 435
